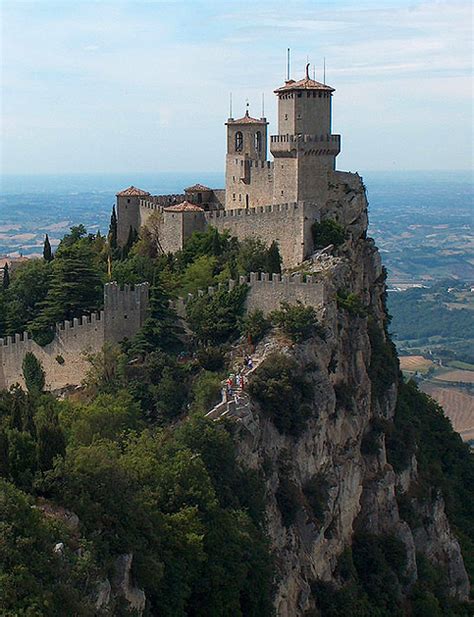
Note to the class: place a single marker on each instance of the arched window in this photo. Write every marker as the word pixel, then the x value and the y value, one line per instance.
pixel 239 141
pixel 258 141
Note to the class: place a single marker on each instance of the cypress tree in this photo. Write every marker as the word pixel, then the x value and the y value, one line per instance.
pixel 132 237
pixel 6 277
pixel 273 259
pixel 113 230
pixel 33 373
pixel 47 252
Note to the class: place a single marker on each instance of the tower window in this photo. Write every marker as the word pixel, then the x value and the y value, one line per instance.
pixel 239 141
pixel 258 141
pixel 286 116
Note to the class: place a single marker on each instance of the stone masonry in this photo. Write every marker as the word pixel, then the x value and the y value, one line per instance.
pixel 273 200
pixel 63 359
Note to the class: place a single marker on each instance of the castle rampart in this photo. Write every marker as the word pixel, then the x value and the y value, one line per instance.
pixel 64 359
pixel 267 291
pixel 287 224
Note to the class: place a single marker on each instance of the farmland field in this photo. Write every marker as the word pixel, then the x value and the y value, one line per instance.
pixel 457 375
pixel 415 363
pixel 458 406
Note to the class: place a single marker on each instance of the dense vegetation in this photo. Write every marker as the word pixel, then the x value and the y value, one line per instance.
pixel 435 318
pixel 133 457
pixel 190 515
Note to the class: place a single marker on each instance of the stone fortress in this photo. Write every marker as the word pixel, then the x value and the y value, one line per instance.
pixel 272 200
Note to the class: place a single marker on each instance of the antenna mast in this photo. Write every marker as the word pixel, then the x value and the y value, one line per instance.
pixel 288 64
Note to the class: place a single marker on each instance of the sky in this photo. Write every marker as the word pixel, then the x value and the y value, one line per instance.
pixel 108 87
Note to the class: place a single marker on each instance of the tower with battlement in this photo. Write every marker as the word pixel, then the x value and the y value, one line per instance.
pixel 282 198
pixel 304 149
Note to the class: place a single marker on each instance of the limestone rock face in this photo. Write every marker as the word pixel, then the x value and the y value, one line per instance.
pixel 122 584
pixel 361 484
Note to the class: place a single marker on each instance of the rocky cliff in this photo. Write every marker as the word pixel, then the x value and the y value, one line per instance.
pixel 332 479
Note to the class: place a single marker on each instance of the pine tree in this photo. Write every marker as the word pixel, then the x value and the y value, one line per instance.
pixel 161 329
pixel 75 289
pixel 113 230
pixel 6 277
pixel 273 259
pixel 47 252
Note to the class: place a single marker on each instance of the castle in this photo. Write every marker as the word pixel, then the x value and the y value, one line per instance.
pixel 272 200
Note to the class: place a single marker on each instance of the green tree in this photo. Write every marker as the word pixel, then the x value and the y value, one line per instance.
pixel 113 230
pixel 215 319
pixel 50 441
pixel 47 252
pixel 296 320
pixel 327 232
pixel 198 275
pixel 6 277
pixel 28 289
pixel 274 259
pixel 33 374
pixel 75 289
pixel 161 329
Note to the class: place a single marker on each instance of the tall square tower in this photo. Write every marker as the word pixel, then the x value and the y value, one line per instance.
pixel 304 149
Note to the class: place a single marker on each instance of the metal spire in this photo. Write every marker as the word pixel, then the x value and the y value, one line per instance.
pixel 288 64
pixel 230 105
pixel 324 71
pixel 263 105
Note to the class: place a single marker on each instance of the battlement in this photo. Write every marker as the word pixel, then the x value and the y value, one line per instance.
pixel 243 212
pixel 267 291
pixel 126 295
pixel 267 165
pixel 154 201
pixel 63 358
pixel 335 139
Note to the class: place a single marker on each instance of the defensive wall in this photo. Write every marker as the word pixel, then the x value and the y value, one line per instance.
pixel 64 359
pixel 267 291
pixel 288 224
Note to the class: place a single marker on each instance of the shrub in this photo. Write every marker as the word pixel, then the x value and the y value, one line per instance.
pixel 206 391
pixel 316 492
pixel 211 358
pixel 214 319
pixel 296 320
pixel 344 395
pixel 327 232
pixel 282 392
pixel 289 501
pixel 255 325
pixel 60 359
pixel 383 369
pixel 351 303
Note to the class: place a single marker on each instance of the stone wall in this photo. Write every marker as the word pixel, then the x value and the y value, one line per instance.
pixel 287 224
pixel 249 183
pixel 267 292
pixel 64 359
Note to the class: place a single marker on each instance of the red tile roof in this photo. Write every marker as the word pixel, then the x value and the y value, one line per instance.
pixel 247 120
pixel 196 188
pixel 303 84
pixel 185 206
pixel 132 190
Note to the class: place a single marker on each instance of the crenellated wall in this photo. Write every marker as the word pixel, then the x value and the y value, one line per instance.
pixel 267 291
pixel 288 224
pixel 64 359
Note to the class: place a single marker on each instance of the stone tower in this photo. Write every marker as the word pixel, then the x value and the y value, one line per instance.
pixel 304 149
pixel 246 153
pixel 128 211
